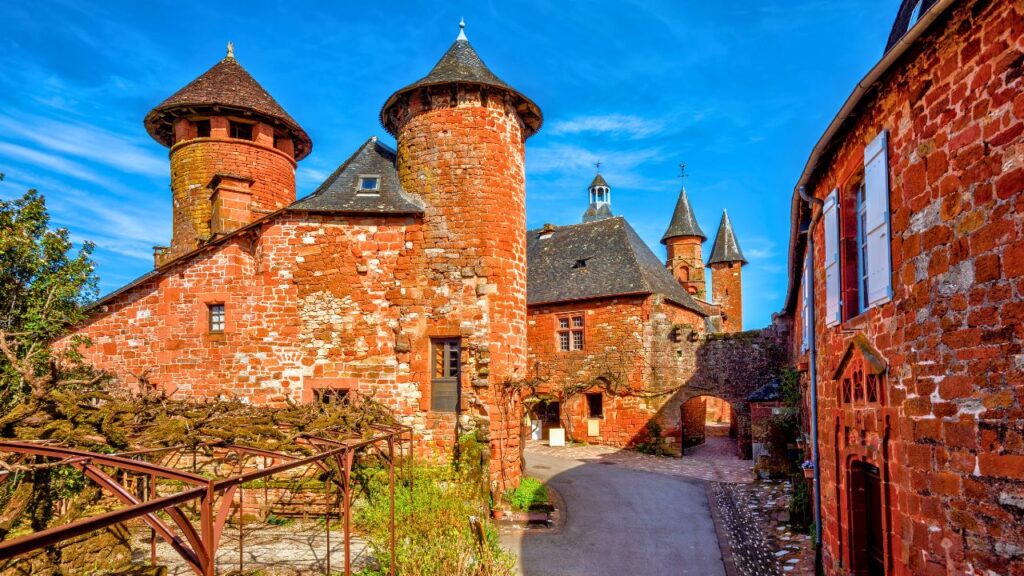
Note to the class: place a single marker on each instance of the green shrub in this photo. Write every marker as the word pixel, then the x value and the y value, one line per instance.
pixel 432 519
pixel 530 491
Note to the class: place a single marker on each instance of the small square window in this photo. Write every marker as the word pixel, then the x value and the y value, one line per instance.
pixel 216 317
pixel 595 405
pixel 202 128
pixel 563 322
pixel 240 130
pixel 331 395
pixel 368 185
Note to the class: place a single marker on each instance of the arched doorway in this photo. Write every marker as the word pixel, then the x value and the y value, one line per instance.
pixel 704 417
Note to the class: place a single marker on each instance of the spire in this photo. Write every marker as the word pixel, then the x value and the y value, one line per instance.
pixel 683 222
pixel 462 65
pixel 726 248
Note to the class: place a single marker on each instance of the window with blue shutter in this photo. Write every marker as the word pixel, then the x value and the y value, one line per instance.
pixel 805 305
pixel 878 264
pixel 831 218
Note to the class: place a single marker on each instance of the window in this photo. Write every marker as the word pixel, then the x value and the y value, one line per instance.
pixel 915 14
pixel 862 251
pixel 595 405
pixel 446 367
pixel 216 313
pixel 570 332
pixel 240 130
pixel 331 395
pixel 202 128
pixel 368 185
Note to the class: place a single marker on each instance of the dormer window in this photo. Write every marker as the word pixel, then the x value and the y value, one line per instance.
pixel 369 185
pixel 240 130
pixel 915 14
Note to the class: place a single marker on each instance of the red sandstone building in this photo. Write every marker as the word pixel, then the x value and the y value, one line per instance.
pixel 907 277
pixel 606 319
pixel 402 277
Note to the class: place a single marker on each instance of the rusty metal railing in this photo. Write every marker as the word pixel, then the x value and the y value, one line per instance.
pixel 213 496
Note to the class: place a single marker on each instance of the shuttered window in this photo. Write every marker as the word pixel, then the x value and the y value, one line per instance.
pixel 878 266
pixel 831 217
pixel 805 306
pixel 445 370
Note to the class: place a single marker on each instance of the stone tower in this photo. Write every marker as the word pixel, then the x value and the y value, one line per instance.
pixel 461 134
pixel 684 242
pixel 726 263
pixel 600 206
pixel 233 154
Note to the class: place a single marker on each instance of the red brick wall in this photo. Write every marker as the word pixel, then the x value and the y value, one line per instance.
pixel 463 154
pixel 686 262
pixel 727 292
pixel 947 435
pixel 618 330
pixel 195 161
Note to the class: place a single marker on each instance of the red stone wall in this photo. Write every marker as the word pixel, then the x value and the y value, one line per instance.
pixel 194 163
pixel 947 431
pixel 461 150
pixel 727 292
pixel 686 262
pixel 626 336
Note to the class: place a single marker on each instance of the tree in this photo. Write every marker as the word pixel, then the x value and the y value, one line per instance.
pixel 45 285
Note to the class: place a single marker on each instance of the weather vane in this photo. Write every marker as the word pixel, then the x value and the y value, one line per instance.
pixel 682 170
pixel 598 166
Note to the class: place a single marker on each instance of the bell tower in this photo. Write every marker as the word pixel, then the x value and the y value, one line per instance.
pixel 233 153
pixel 726 263
pixel 461 135
pixel 600 206
pixel 684 242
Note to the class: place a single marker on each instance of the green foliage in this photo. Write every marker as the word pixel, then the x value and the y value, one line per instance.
pixel 434 533
pixel 652 442
pixel 789 389
pixel 800 507
pixel 529 492
pixel 274 520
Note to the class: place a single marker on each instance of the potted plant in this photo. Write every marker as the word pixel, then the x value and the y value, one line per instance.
pixel 808 468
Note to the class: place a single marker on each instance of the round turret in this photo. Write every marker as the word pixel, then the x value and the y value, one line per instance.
pixel 233 154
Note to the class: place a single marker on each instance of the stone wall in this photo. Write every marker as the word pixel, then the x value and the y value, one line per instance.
pixel 727 292
pixel 948 350
pixel 663 357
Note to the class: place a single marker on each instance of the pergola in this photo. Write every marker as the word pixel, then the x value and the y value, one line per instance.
pixel 213 496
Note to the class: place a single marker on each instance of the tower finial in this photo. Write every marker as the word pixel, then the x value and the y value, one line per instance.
pixel 682 170
pixel 598 166
pixel 231 49
pixel 462 30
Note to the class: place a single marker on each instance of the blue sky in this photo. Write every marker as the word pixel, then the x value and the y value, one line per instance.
pixel 739 90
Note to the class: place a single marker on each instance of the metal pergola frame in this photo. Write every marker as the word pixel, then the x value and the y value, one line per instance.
pixel 214 496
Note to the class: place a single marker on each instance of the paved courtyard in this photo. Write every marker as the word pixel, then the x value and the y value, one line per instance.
pixel 618 519
pixel 714 461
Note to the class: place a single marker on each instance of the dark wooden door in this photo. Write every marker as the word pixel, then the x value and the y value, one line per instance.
pixel 873 517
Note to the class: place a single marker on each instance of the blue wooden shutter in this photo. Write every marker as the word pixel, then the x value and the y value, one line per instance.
pixel 805 304
pixel 831 216
pixel 876 232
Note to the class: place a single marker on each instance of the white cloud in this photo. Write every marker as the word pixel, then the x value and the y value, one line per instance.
pixel 86 141
pixel 568 158
pixel 613 124
pixel 51 162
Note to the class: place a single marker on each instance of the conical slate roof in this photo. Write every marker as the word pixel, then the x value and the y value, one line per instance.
pixel 599 181
pixel 462 65
pixel 683 223
pixel 726 248
pixel 228 87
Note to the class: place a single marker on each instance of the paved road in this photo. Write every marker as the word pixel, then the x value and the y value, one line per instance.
pixel 619 522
